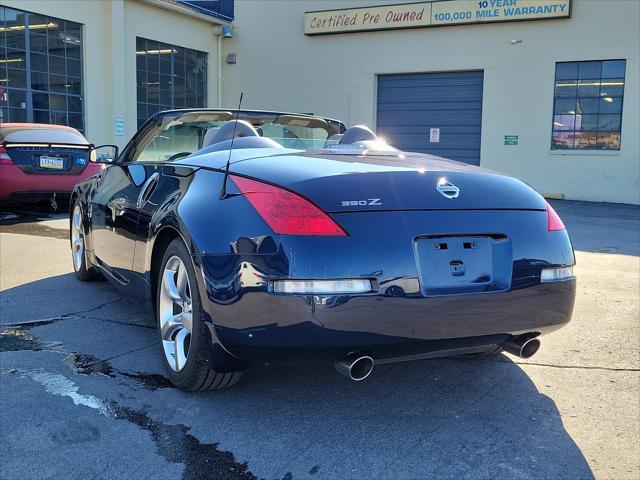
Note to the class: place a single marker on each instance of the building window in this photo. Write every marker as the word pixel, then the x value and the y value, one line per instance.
pixel 587 110
pixel 169 77
pixel 40 69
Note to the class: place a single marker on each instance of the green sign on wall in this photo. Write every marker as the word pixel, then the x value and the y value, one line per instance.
pixel 511 139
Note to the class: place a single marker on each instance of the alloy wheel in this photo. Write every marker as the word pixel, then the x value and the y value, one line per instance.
pixel 175 313
pixel 77 239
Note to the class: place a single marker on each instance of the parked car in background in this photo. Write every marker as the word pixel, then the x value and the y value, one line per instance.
pixel 42 162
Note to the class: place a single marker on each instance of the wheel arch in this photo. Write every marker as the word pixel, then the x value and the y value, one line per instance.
pixel 218 355
pixel 72 201
pixel 75 195
pixel 161 241
pixel 79 195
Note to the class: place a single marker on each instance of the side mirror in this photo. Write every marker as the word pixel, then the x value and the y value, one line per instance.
pixel 104 154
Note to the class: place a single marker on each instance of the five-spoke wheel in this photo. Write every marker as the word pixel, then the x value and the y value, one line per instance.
pixel 175 313
pixel 84 270
pixel 185 330
pixel 77 238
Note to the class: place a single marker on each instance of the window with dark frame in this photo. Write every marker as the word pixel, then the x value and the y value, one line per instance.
pixel 587 109
pixel 40 69
pixel 168 77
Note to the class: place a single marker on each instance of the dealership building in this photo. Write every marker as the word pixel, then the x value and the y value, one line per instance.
pixel 546 90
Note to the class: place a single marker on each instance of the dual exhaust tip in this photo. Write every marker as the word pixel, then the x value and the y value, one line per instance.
pixel 357 366
pixel 523 346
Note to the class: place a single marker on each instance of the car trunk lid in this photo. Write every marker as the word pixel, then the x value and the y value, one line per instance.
pixel 42 158
pixel 350 183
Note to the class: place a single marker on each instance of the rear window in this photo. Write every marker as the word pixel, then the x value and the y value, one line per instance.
pixel 39 135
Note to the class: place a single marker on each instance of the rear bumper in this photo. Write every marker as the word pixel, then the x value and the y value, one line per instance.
pixel 401 317
pixel 15 185
pixel 259 327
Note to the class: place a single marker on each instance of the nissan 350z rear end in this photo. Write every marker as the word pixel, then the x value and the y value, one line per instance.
pixel 358 258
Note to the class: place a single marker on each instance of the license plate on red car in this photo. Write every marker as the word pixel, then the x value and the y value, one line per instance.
pixel 55 163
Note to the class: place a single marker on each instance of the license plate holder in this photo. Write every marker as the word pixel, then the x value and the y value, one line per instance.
pixel 459 264
pixel 52 163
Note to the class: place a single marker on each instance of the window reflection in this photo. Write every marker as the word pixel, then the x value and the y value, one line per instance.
pixel 588 104
pixel 51 64
pixel 168 76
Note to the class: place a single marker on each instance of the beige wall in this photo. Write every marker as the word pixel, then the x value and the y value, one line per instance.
pixel 335 75
pixel 142 20
pixel 109 58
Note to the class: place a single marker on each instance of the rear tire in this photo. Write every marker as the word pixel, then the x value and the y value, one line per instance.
pixel 78 251
pixel 184 337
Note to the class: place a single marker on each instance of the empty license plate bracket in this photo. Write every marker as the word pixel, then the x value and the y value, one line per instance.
pixel 461 264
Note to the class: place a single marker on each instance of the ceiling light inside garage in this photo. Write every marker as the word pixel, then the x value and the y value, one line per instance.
pixel 35 26
pixel 590 84
pixel 163 51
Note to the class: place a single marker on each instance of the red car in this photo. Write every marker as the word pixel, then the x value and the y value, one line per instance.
pixel 42 162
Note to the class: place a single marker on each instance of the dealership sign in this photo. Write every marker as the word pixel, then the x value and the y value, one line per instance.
pixel 432 14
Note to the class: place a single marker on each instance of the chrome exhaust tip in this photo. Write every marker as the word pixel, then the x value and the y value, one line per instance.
pixel 355 366
pixel 523 347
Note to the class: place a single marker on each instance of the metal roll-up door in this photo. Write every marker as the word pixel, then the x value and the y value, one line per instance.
pixel 436 113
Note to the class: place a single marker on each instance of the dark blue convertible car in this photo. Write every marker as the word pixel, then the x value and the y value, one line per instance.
pixel 265 237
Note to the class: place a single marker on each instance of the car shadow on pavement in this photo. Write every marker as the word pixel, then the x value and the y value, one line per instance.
pixel 12 214
pixel 34 223
pixel 448 418
pixel 59 297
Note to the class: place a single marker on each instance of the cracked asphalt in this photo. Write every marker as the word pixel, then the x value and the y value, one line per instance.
pixel 83 393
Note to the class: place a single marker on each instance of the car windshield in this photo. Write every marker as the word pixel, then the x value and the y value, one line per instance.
pixel 186 133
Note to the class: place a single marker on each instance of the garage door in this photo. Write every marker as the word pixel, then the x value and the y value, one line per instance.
pixel 437 113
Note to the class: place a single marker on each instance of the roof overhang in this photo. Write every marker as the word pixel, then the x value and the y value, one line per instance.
pixel 182 9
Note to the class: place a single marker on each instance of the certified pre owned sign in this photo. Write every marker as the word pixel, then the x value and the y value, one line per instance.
pixel 431 14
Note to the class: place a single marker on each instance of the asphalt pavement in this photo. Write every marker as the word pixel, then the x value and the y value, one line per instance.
pixel 83 393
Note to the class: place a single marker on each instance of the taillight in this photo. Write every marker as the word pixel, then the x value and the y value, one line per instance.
pixel 553 220
pixel 5 159
pixel 285 212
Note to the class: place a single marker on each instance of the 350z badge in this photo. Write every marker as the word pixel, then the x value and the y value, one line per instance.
pixel 362 203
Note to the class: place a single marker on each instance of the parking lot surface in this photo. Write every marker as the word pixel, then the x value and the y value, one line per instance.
pixel 83 394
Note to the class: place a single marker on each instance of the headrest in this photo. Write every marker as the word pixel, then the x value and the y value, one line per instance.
pixel 225 132
pixel 206 140
pixel 357 133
